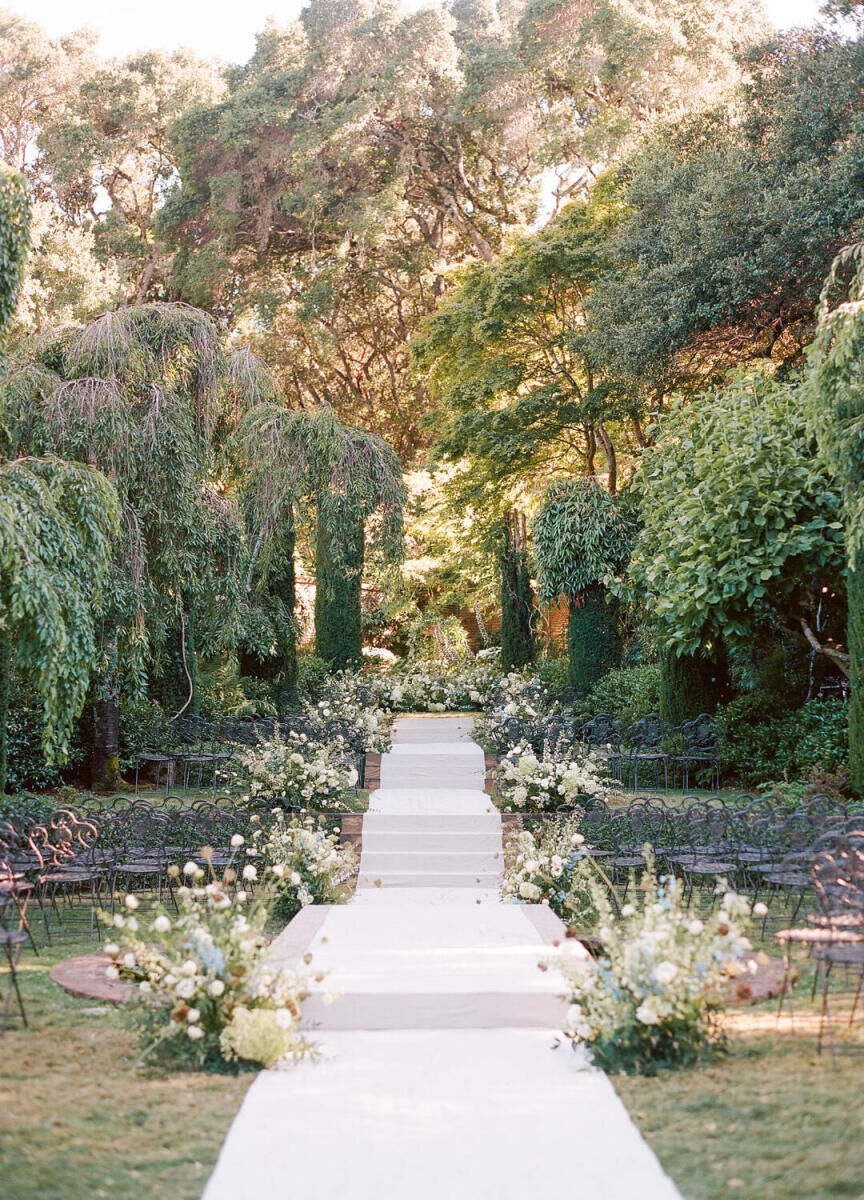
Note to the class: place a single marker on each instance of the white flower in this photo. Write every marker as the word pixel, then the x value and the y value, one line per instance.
pixel 193 1016
pixel 190 967
pixel 112 972
pixel 195 1032
pixel 250 872
pixel 237 839
pixel 132 924
pixel 190 868
pixel 628 910
pixel 131 902
pixel 296 878
pixel 112 948
pixel 577 839
pixel 144 986
pixel 216 988
pixel 278 870
pixel 647 1014
pixel 128 960
pixel 162 924
pixel 695 928
pixel 760 910
pixel 186 989
pixel 665 972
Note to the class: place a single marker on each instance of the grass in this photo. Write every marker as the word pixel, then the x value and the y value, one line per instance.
pixel 772 1121
pixel 79 1120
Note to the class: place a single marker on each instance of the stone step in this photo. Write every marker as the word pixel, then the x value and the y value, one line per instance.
pixel 423 861
pixel 429 879
pixel 419 839
pixel 504 1009
pixel 383 822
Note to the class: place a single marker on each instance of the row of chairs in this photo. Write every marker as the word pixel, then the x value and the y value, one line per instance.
pixel 648 746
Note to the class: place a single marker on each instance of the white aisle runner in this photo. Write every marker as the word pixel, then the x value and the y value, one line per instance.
pixel 437 1078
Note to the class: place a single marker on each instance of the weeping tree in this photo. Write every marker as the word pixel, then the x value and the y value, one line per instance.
pixel 56 523
pixel 517 642
pixel 581 534
pixel 139 394
pixel 834 396
pixel 347 484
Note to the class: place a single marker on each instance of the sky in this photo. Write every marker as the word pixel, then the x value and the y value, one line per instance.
pixel 223 29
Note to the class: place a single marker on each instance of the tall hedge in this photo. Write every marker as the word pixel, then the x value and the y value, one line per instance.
pixel 339 553
pixel 856 676
pixel 691 684
pixel 593 637
pixel 517 602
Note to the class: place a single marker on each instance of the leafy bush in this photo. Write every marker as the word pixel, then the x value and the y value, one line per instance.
pixel 294 768
pixel 312 674
pixel 551 865
pixel 758 743
pixel 27 769
pixel 143 726
pixel 553 673
pixel 626 693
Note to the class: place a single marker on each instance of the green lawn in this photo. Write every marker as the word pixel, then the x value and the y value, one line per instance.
pixel 79 1120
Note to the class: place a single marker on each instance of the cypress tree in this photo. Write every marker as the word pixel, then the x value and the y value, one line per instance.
pixel 691 684
pixel 593 637
pixel 856 698
pixel 339 553
pixel 517 642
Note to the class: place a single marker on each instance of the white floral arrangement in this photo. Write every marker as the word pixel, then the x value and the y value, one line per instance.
pixel 294 767
pixel 344 700
pixel 526 783
pixel 552 865
pixel 305 863
pixel 205 993
pixel 652 999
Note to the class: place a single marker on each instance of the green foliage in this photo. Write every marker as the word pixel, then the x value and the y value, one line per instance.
pixel 57 520
pixel 553 673
pixel 338 576
pixel 27 767
pixel 856 655
pixel 517 642
pixel 691 684
pixel 759 743
pixel 143 726
pixel 625 693
pixel 580 535
pixel 834 394
pixel 312 674
pixel 739 520
pixel 593 637
pixel 732 216
pixel 14 239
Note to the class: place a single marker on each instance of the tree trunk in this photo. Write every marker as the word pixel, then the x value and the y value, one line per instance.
pixel 105 759
pixel 691 684
pixel 5 683
pixel 593 637
pixel 339 548
pixel 856 657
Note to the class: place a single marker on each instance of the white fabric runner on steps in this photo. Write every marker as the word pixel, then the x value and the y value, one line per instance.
pixel 437 1077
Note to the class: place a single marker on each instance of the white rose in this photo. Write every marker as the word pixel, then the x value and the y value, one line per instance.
pixel 193 1016
pixel 647 1014
pixel 216 988
pixel 185 989
pixel 131 902
pixel 695 928
pixel 112 948
pixel 162 924
pixel 190 967
pixel 128 960
pixel 250 872
pixel 238 839
pixel 190 868
pixel 760 910
pixel 144 986
pixel 195 1032
pixel 665 972
pixel 112 972
pixel 278 870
